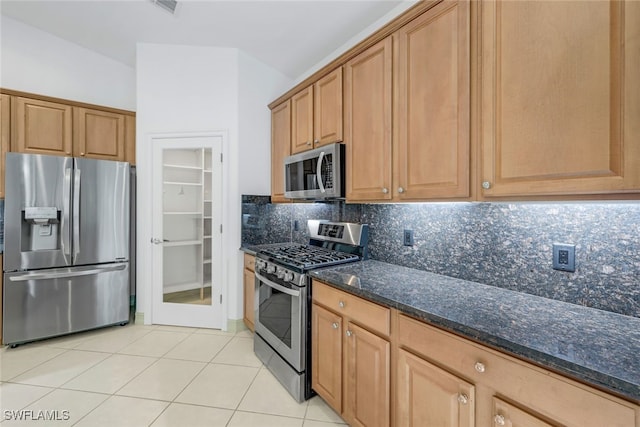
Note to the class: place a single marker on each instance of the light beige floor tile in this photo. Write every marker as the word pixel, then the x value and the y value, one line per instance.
pixel 123 411
pixel 313 423
pixel 17 396
pixel 178 414
pixel 266 395
pixel 318 410
pixel 115 339
pixel 250 419
pixel 208 331
pixel 245 334
pixel 170 328
pixel 154 344
pixel 199 347
pixel 163 380
pixel 111 374
pixel 61 369
pixel 15 361
pixel 62 407
pixel 220 386
pixel 238 352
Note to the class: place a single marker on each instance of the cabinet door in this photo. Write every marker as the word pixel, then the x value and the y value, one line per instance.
pixel 249 298
pixel 130 139
pixel 560 97
pixel 302 121
pixel 326 356
pixel 429 396
pixel 280 148
pixel 508 415
pixel 367 99
pixel 327 97
pixel 99 134
pixel 432 111
pixel 41 127
pixel 5 120
pixel 367 362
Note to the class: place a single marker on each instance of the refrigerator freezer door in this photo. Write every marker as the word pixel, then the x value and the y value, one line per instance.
pixel 100 212
pixel 48 303
pixel 36 186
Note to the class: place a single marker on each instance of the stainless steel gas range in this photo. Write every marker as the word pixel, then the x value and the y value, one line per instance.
pixel 283 297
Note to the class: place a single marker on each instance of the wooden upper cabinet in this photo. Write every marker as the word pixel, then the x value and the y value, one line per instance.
pixel 367 125
pixel 41 127
pixel 431 114
pixel 5 121
pixel 327 119
pixel 302 121
pixel 280 148
pixel 99 134
pixel 130 139
pixel 560 97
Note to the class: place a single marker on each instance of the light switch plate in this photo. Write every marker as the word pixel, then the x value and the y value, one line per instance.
pixel 564 257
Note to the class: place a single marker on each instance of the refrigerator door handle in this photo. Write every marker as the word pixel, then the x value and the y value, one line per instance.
pixel 66 196
pixel 67 273
pixel 76 214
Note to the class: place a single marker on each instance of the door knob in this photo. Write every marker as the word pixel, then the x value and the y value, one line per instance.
pixel 158 241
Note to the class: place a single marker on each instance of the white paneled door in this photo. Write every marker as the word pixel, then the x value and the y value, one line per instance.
pixel 186 231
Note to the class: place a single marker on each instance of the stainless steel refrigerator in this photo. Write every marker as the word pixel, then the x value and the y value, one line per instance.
pixel 66 260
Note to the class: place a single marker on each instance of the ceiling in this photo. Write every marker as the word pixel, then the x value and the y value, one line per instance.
pixel 290 36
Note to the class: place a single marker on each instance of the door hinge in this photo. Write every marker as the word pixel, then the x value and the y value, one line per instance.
pixel 220 298
pixel 220 228
pixel 220 157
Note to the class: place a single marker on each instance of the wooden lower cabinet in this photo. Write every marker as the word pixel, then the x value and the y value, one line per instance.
pixel 249 291
pixel 507 414
pixel 326 353
pixel 1 292
pixel 350 363
pixel 430 396
pixel 367 375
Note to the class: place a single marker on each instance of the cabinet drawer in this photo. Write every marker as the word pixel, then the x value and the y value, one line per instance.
pixel 373 316
pixel 250 262
pixel 534 389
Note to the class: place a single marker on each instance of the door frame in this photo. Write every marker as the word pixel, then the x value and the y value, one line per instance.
pixel 144 297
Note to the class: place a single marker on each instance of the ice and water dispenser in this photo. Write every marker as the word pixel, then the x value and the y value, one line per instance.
pixel 40 228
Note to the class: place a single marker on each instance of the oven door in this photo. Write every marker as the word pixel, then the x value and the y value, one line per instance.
pixel 281 318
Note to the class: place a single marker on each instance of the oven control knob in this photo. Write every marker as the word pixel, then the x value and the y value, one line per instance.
pixel 280 273
pixel 271 269
pixel 260 264
pixel 288 276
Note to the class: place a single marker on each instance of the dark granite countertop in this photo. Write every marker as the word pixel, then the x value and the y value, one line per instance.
pixel 594 346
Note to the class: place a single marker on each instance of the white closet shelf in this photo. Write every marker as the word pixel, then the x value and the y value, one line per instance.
pixel 207 261
pixel 182 243
pixel 193 184
pixel 207 171
pixel 184 213
pixel 206 237
pixel 195 168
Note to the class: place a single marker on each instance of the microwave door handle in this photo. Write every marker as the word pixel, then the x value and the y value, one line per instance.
pixel 319 172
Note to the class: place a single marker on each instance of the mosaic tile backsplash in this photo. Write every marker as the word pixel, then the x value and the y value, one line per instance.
pixel 498 244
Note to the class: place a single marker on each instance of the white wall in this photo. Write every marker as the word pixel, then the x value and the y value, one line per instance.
pixel 393 13
pixel 188 89
pixel 34 61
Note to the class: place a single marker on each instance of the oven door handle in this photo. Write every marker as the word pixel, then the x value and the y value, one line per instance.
pixel 277 286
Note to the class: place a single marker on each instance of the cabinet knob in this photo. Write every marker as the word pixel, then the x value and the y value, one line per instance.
pixel 349 333
pixel 463 398
pixel 308 142
pixel 341 304
pixel 486 185
pixel 82 154
pixel 316 141
pixel 400 190
pixel 385 190
pixel 334 325
pixel 499 420
pixel 479 366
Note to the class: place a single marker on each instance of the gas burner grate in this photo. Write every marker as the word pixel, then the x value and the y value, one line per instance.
pixel 306 256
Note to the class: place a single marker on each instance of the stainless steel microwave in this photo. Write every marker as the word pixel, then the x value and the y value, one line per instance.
pixel 316 174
